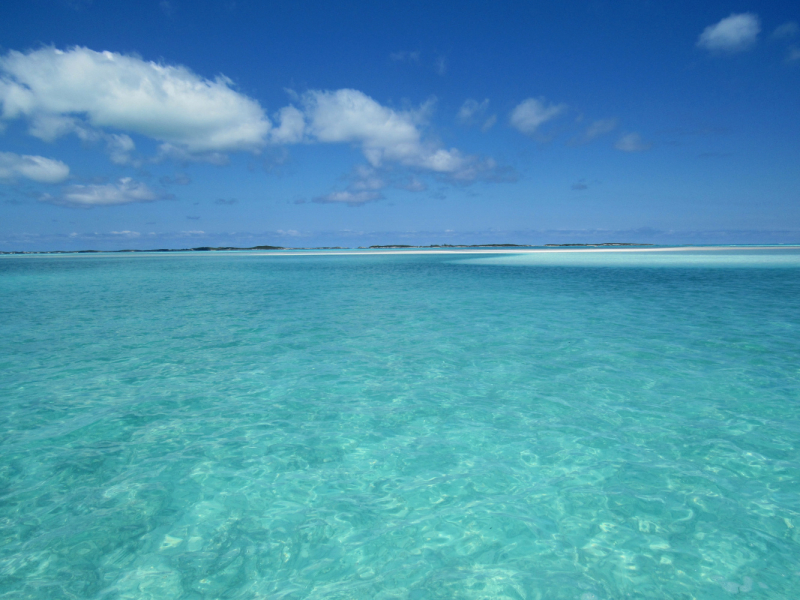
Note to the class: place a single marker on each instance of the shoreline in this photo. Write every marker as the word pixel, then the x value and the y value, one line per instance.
pixel 529 250
pixel 407 250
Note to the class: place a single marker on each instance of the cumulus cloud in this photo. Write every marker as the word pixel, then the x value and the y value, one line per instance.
pixel 35 168
pixel 125 191
pixel 732 34
pixel 384 134
pixel 531 113
pixel 291 128
pixel 632 142
pixel 105 97
pixel 52 88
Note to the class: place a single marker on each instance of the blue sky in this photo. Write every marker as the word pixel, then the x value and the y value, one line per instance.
pixel 177 124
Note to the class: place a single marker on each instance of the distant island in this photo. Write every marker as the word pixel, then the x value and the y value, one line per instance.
pixel 596 245
pixel 386 247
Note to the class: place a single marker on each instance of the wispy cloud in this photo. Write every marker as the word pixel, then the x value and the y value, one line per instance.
pixel 530 114
pixel 350 198
pixel 596 129
pixel 167 7
pixel 405 55
pixel 473 111
pixel 470 109
pixel 632 142
pixel 489 123
pixel 120 147
pixel 178 179
pixel 125 191
pixel 600 128
pixel 786 31
pixel 735 33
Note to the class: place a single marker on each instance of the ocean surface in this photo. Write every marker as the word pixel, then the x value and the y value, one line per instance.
pixel 576 425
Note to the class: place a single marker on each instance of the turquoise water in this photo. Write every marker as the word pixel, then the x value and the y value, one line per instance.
pixel 566 425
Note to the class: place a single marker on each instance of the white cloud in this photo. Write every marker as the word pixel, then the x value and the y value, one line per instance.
pixel 367 179
pixel 184 156
pixel 405 55
pixel 414 185
pixel 632 142
pixel 120 147
pixel 348 197
pixel 168 103
pixel 471 108
pixel 352 116
pixel 531 113
pixel 292 125
pixel 48 127
pixel 35 168
pixel 105 96
pixel 126 191
pixel 786 31
pixel 732 34
pixel 179 179
pixel 794 54
pixel 384 134
pixel 599 128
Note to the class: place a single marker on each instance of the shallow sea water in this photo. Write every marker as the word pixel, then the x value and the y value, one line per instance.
pixel 583 426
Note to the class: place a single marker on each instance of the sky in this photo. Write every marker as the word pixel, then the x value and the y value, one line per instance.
pixel 175 124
